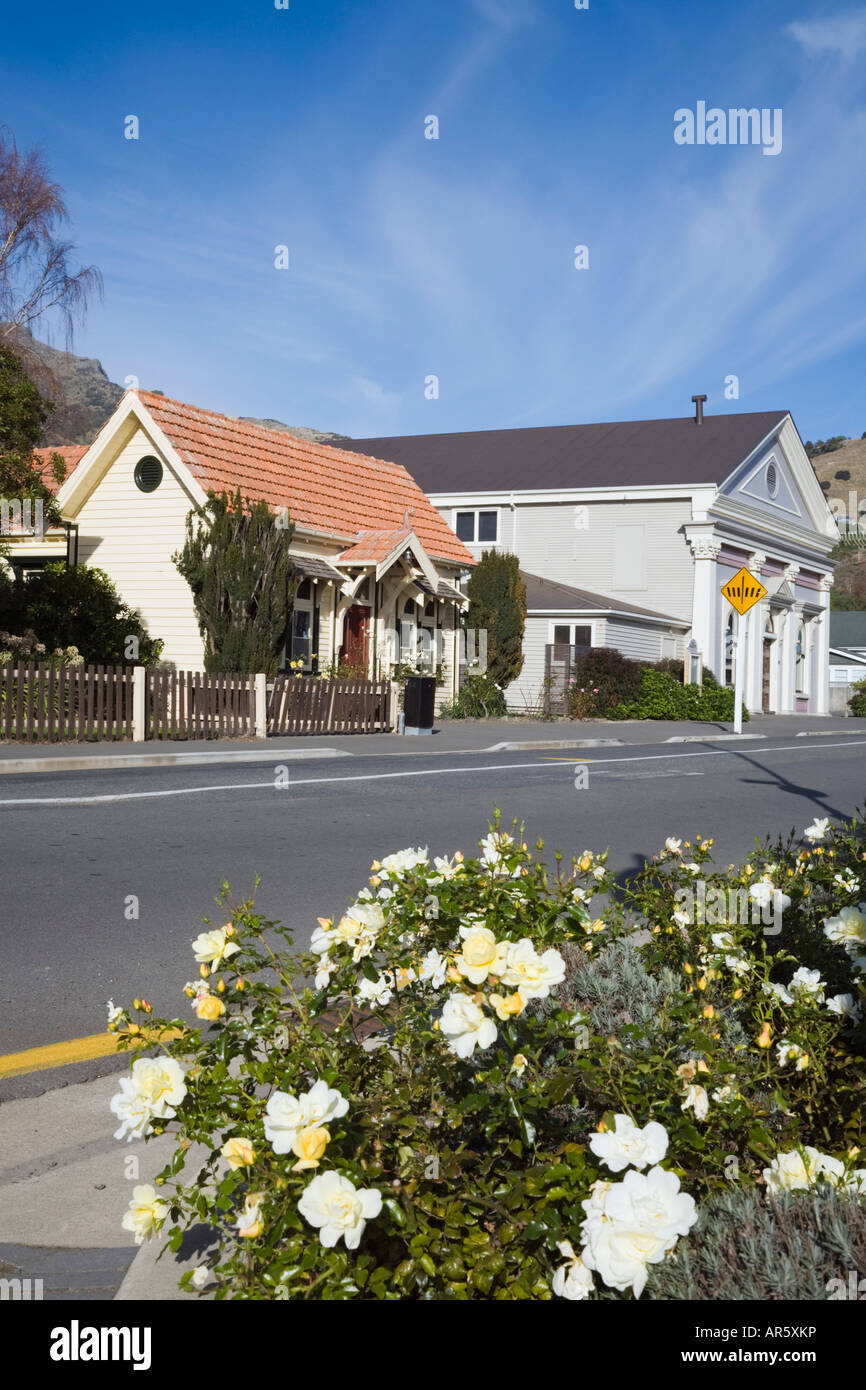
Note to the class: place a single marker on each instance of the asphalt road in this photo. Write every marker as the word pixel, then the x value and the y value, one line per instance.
pixel 75 846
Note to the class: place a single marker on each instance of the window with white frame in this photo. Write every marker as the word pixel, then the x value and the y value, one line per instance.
pixel 802 660
pixel 477 526
pixel 565 635
pixel 299 646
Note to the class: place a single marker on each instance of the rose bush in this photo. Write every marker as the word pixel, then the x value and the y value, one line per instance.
pixel 491 1079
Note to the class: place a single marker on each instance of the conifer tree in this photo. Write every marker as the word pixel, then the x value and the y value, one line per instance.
pixel 236 561
pixel 497 604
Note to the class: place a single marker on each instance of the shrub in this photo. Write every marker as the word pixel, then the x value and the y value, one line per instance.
pixel 663 697
pixel 794 1246
pixel 497 606
pixel 857 703
pixel 80 607
pixel 479 698
pixel 614 677
pixel 675 666
pixel 422 1104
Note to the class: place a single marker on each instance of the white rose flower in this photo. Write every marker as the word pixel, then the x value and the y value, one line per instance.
pixel 446 869
pixel 398 864
pixel 572 1280
pixel 152 1091
pixel 465 1026
pixel 673 846
pixel 791 1052
pixel 337 1208
pixel 848 929
pixel 807 984
pixel 211 947
pixel 633 1223
pixel 113 1012
pixel 146 1213
pixel 817 830
pixel 795 1171
pixel 324 971
pixel 287 1115
pixel 847 881
pixel 692 867
pixel 378 992
pixel 199 1276
pixel 766 895
pixel 532 974
pixel 846 1006
pixel 681 917
pixel 697 1100
pixel 724 1095
pixel 433 969
pixel 480 955
pixel 779 991
pixel 626 1144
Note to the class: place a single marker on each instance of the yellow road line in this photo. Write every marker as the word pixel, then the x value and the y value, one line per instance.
pixel 63 1054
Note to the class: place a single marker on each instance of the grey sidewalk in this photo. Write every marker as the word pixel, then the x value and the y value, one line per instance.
pixel 449 736
pixel 65 1184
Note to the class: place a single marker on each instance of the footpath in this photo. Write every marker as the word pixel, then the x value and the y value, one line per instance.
pixel 449 736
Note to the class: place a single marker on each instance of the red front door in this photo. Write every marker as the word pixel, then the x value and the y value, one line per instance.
pixel 355 650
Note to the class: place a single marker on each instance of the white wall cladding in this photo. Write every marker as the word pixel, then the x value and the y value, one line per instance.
pixel 550 545
pixel 132 535
pixel 640 643
pixel 526 690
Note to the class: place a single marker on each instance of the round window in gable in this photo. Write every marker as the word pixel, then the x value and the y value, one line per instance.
pixel 148 474
pixel 772 479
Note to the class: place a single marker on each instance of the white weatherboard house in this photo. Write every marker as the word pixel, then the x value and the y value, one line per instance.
pixel 377 562
pixel 626 533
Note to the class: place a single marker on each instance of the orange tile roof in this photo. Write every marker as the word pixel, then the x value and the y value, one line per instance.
pixel 325 489
pixel 374 546
pixel 72 454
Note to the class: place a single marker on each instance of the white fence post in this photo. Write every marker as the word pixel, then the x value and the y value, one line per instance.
pixel 261 706
pixel 139 677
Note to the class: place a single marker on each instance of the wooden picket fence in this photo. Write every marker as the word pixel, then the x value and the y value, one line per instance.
pixel 41 703
pixel 299 705
pixel 54 704
pixel 199 704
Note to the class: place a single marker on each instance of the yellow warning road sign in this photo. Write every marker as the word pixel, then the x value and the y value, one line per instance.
pixel 743 591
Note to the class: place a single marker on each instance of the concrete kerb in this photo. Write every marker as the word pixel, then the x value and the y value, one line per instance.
pixel 540 744
pixel 100 761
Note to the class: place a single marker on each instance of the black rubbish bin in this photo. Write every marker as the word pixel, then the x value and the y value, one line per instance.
pixel 418 703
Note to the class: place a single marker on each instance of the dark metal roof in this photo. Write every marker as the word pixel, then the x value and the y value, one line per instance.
pixel 549 596
pixel 313 568
pixel 627 453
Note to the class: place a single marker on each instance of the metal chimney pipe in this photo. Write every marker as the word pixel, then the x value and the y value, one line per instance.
pixel 699 409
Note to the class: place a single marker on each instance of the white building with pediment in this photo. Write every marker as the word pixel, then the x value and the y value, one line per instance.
pixel 626 533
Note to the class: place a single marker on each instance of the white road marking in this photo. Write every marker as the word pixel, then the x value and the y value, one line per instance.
pixel 598 766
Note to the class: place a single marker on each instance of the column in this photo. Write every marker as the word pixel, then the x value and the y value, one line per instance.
pixel 820 702
pixel 757 623
pixel 705 547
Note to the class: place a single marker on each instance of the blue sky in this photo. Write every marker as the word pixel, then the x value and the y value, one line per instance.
pixel 453 257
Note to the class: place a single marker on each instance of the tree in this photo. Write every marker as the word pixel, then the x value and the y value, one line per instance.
pixel 36 275
pixel 78 607
pixel 236 561
pixel 497 605
pixel 23 412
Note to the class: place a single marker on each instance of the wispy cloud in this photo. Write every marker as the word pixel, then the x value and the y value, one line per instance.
pixel 843 34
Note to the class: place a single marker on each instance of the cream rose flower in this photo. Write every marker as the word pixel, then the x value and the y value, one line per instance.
pixel 398 864
pixel 287 1115
pixel 807 984
pixel 817 830
pixel 465 1026
pixel 432 969
pixel 309 1147
pixel 673 846
pixel 697 1100
pixel 532 974
pixel 238 1152
pixel 796 1171
pixel 152 1091
pixel 376 993
pixel 337 1208
pixel 626 1145
pixel 572 1280
pixel 846 1006
pixel 200 1277
pixel 146 1213
pixel 633 1223
pixel 480 955
pixel 250 1223
pixel 212 947
pixel 848 929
